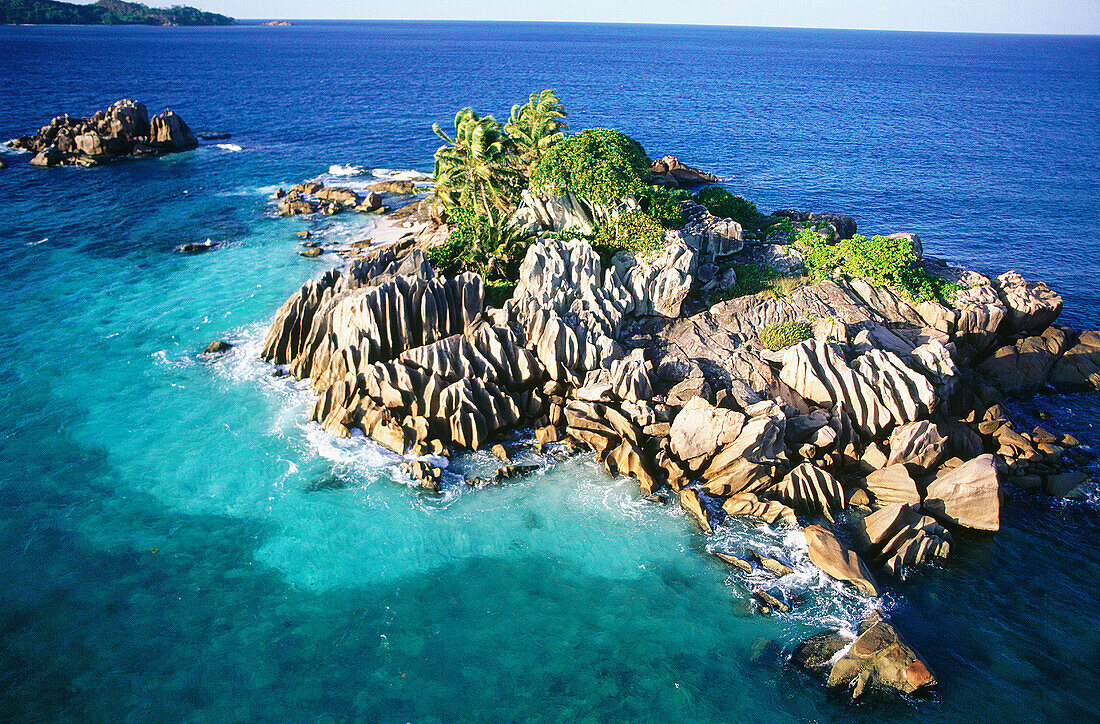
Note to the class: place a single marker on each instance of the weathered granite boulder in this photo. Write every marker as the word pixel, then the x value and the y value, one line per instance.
pixel 169 131
pixel 878 662
pixel 810 491
pixel 898 537
pixel 769 511
pixel 569 212
pixel 838 562
pixel 1031 306
pixel 892 484
pixel 1025 364
pixel 918 445
pixel 711 237
pixel 969 495
pixel 659 286
pixel 671 172
pixel 1079 367
pixel 701 429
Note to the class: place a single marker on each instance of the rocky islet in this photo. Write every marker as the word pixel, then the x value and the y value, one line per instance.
pixel 876 437
pixel 124 129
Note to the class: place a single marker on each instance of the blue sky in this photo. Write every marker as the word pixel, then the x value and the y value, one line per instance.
pixel 999 16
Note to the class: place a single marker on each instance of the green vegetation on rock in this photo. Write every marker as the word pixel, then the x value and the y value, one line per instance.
pixel 601 165
pixel 780 335
pixel 104 12
pixel 664 206
pixel 484 244
pixel 634 231
pixel 880 260
pixel 755 278
pixel 725 205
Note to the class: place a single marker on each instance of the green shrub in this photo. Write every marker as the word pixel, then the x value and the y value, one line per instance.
pixel 498 291
pixel 459 252
pixel 664 206
pixel 598 164
pixel 635 231
pixel 783 334
pixel 725 205
pixel 478 243
pixel 879 260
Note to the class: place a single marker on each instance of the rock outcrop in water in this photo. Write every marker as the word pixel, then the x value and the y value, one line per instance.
pixel 124 129
pixel 877 437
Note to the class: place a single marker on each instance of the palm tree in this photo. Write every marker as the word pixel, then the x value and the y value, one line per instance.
pixel 474 170
pixel 536 126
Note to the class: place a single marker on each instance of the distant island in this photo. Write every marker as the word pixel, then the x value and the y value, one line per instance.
pixel 277 23
pixel 103 12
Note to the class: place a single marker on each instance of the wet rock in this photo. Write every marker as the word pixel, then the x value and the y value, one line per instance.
pixel 393 187
pixel 509 472
pixel 770 602
pixel 830 556
pixel 771 564
pixel 969 495
pixel 218 347
pixel 879 662
pixel 690 502
pixel 769 511
pixel 312 252
pixel 499 451
pixel 733 560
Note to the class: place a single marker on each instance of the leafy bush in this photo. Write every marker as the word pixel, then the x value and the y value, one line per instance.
pixel 879 260
pixel 783 334
pixel 482 244
pixel 459 252
pixel 725 205
pixel 598 164
pixel 635 231
pixel 664 206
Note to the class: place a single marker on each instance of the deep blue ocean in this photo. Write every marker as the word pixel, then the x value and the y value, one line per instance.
pixel 178 544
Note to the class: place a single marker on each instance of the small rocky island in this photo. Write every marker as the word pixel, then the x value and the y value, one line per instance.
pixel 779 368
pixel 124 129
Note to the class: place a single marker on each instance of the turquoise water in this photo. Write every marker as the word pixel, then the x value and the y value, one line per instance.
pixel 177 543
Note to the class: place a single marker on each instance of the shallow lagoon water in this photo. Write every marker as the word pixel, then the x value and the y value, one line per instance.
pixel 178 543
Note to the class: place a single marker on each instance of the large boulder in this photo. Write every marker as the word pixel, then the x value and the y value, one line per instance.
pixel 712 237
pixel 1031 306
pixel 671 172
pixel 898 537
pixel 1025 364
pixel 878 662
pixel 1079 367
pixel 968 495
pixel 918 445
pixel 170 131
pixel 892 484
pixel 810 490
pixel 701 429
pixel 830 556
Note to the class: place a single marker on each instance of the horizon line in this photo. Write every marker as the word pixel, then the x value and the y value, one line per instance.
pixel 672 24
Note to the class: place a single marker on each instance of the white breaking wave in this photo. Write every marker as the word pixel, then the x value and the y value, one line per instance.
pixel 345 170
pixel 229 147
